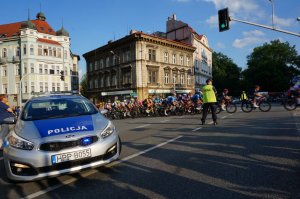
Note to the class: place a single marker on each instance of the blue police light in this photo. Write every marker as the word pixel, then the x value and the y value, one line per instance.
pixel 86 141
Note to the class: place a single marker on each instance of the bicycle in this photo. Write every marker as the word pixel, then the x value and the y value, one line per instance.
pixel 291 103
pixel 229 107
pixel 263 105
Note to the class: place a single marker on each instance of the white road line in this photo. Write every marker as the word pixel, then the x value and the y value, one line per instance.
pixel 164 121
pixel 142 126
pixel 223 117
pixel 66 182
pixel 211 122
pixel 196 129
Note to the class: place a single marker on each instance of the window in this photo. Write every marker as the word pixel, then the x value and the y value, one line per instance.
pixel 52 70
pixel 5 88
pixel 54 52
pixel 115 59
pixel 18 72
pixel 40 50
pixel 174 78
pixel 4 71
pixel 25 68
pixel 46 87
pixel 41 69
pixel 127 77
pixel 107 82
pixel 182 78
pixel 181 60
pixel 18 88
pixel 24 49
pixel 32 68
pixel 101 63
pixel 167 77
pixel 102 81
pixel 45 51
pixel 41 86
pixel 32 86
pixel 128 56
pixel 188 61
pixel 46 69
pixel 53 86
pixel 174 59
pixel 189 79
pixel 26 88
pixel 18 51
pixel 166 57
pixel 4 52
pixel 107 62
pixel 58 86
pixel 59 52
pixel 152 76
pixel 31 50
pixel 152 55
pixel 57 70
pixel 65 54
pixel 96 65
pixel 50 51
pixel 96 83
pixel 114 79
pixel 66 87
pixel 91 66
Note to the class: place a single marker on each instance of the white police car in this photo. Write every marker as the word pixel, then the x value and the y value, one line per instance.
pixel 57 134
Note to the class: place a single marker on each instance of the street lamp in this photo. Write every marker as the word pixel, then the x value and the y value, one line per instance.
pixel 119 58
pixel 272 13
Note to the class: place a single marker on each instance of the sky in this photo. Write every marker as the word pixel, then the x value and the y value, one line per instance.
pixel 92 23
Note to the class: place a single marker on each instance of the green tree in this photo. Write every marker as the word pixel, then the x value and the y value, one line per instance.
pixel 226 74
pixel 84 85
pixel 272 66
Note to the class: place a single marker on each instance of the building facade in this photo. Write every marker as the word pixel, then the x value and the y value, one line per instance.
pixel 139 65
pixel 202 57
pixel 32 56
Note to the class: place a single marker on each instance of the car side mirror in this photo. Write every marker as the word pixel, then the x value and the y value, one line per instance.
pixel 10 120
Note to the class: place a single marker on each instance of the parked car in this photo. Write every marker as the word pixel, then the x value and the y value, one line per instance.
pixel 56 134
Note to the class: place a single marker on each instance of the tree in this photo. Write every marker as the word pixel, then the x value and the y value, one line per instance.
pixel 272 66
pixel 83 85
pixel 226 73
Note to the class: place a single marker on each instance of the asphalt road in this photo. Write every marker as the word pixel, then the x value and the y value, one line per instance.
pixel 247 155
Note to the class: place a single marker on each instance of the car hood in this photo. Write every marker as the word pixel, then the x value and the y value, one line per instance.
pixel 61 127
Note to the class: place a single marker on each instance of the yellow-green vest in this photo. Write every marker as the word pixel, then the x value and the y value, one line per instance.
pixel 209 95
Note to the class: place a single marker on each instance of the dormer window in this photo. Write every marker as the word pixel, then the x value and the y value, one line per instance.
pixel 42 28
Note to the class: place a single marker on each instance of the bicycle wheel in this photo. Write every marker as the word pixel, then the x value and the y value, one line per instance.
pixel 265 106
pixel 231 108
pixel 290 104
pixel 246 106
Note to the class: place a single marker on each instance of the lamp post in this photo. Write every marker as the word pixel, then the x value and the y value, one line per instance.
pixel 272 13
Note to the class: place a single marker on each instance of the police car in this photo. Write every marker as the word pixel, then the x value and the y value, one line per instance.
pixel 58 134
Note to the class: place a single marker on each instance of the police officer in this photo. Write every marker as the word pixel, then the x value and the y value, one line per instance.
pixel 5 112
pixel 209 101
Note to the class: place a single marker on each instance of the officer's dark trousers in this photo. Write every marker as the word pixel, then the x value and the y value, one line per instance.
pixel 212 107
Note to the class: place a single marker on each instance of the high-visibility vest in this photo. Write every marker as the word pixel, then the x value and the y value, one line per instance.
pixel 244 96
pixel 209 95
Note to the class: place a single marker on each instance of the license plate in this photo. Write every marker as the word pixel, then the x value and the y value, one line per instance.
pixel 75 155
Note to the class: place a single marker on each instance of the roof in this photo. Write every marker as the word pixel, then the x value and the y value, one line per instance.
pixel 13 29
pixel 48 41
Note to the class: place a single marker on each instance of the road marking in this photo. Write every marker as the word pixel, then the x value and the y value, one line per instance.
pixel 164 121
pixel 223 117
pixel 142 126
pixel 196 129
pixel 211 122
pixel 66 182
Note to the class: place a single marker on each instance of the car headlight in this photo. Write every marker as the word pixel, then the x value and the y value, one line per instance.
pixel 110 129
pixel 19 143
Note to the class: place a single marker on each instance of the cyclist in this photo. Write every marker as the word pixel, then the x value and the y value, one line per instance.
pixel 255 94
pixel 224 97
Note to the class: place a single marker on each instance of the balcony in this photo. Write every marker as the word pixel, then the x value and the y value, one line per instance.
pixel 16 59
pixel 3 61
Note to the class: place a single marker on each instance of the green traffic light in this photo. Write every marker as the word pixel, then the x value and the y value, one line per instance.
pixel 222 26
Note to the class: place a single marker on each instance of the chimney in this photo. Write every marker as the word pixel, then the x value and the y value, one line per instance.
pixel 133 31
pixel 174 16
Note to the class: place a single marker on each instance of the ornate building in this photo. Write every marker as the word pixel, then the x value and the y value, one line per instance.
pixel 32 57
pixel 139 65
pixel 202 57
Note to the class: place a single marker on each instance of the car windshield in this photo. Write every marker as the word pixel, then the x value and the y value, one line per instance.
pixel 57 108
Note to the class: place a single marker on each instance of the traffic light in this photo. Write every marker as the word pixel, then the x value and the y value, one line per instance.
pixel 62 76
pixel 223 20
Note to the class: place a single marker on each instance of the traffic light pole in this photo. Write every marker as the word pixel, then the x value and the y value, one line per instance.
pixel 267 27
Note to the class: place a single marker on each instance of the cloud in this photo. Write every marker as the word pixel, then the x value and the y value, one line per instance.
pixel 281 22
pixel 250 38
pixel 212 21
